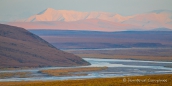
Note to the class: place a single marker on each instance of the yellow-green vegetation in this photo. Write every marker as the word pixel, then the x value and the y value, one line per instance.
pixel 21 68
pixel 154 54
pixel 149 80
pixel 133 57
pixel 71 71
pixel 16 74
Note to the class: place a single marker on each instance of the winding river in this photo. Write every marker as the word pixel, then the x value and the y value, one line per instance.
pixel 116 68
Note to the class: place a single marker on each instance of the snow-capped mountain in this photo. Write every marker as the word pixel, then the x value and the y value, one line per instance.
pixel 101 21
pixel 69 15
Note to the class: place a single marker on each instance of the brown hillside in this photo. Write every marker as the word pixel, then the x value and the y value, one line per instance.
pixel 20 48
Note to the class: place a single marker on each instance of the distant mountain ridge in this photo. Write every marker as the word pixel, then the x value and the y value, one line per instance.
pixel 69 15
pixel 74 39
pixel 50 18
pixel 20 48
pixel 162 29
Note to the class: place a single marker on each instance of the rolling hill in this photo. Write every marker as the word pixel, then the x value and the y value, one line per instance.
pixel 65 39
pixel 20 48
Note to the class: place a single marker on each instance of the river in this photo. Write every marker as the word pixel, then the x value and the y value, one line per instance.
pixel 116 68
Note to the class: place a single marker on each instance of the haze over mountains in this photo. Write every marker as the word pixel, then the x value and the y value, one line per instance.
pixel 96 21
pixel 20 48
pixel 70 39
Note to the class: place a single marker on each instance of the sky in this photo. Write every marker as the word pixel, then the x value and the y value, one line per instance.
pixel 11 10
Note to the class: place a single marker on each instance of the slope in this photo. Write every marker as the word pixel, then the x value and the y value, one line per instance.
pixel 20 48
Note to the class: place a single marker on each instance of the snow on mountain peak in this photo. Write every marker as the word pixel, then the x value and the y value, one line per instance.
pixel 51 14
pixel 46 10
pixel 154 19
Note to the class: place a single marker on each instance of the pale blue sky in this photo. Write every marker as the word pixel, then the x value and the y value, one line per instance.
pixel 16 9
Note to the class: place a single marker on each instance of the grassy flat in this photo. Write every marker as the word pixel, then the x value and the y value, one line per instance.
pixel 148 80
pixel 71 71
pixel 17 74
pixel 153 54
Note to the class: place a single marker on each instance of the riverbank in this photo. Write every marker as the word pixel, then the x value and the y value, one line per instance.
pixel 127 57
pixel 113 68
pixel 146 54
pixel 71 71
pixel 148 80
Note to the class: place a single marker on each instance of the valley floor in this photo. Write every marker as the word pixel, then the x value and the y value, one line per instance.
pixel 149 54
pixel 148 80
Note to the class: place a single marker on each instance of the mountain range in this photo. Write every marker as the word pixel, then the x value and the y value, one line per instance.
pixel 20 48
pixel 74 39
pixel 95 21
